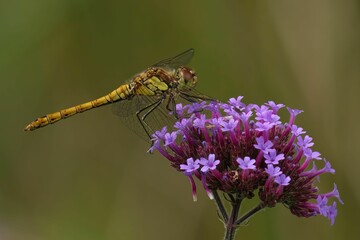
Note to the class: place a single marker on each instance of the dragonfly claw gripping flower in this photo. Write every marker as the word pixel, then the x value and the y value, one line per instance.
pixel 246 150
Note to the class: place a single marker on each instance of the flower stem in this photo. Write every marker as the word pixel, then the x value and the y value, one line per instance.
pixel 231 225
pixel 249 214
pixel 220 206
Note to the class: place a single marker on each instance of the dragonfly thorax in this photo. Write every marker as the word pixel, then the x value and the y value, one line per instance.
pixel 186 78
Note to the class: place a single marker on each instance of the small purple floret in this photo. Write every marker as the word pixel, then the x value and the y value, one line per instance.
pixel 262 145
pixel 229 125
pixel 191 166
pixel 297 131
pixel 236 102
pixel 246 163
pixel 283 180
pixel 305 142
pixel 332 213
pixel 170 138
pixel 273 171
pixel 209 164
pixel 273 158
pixel 275 106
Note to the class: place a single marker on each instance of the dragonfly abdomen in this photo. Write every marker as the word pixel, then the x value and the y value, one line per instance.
pixel 121 93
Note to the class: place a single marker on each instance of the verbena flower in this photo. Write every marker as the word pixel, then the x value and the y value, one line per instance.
pixel 246 150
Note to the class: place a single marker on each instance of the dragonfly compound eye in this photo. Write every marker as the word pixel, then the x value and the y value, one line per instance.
pixel 187 78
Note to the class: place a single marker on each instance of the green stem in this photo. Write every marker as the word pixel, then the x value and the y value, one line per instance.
pixel 220 206
pixel 231 225
pixel 249 214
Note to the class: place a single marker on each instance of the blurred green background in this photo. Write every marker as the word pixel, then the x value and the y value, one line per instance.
pixel 89 177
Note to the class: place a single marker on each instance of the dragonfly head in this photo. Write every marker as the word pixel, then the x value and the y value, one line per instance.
pixel 186 78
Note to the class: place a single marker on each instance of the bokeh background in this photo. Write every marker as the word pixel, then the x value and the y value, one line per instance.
pixel 89 177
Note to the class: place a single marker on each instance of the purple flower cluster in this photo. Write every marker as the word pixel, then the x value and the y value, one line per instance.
pixel 239 149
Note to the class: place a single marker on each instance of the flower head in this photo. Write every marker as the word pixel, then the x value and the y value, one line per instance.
pixel 244 150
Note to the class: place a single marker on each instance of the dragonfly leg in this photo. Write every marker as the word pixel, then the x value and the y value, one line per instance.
pixel 151 107
pixel 173 106
pixel 189 99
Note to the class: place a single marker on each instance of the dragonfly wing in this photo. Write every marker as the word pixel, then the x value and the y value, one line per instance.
pixel 155 120
pixel 175 62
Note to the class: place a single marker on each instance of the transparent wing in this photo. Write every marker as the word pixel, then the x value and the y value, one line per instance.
pixel 155 120
pixel 180 60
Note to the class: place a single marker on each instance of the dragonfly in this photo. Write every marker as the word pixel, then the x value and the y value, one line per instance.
pixel 147 101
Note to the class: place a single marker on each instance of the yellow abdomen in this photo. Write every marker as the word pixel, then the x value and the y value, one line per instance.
pixel 121 93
